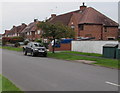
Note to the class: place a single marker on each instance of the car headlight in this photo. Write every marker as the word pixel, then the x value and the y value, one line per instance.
pixel 36 49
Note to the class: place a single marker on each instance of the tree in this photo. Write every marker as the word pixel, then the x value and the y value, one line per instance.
pixel 55 31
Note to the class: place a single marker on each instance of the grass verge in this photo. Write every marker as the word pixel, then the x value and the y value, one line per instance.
pixel 12 48
pixel 7 85
pixel 81 53
pixel 113 63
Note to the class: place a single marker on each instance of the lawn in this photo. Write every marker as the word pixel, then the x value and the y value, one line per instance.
pixel 113 63
pixel 12 48
pixel 81 53
pixel 7 86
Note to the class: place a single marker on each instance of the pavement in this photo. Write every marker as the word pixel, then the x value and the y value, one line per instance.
pixel 47 74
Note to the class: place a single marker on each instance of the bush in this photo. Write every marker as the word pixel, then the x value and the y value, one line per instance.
pixel 26 42
pixel 38 40
pixel 5 40
pixel 46 45
pixel 16 39
pixel 17 44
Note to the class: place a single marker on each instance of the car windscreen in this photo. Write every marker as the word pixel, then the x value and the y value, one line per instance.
pixel 37 45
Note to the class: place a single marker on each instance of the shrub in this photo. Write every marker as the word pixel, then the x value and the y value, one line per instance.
pixel 5 40
pixel 17 44
pixel 26 42
pixel 38 40
pixel 46 45
pixel 16 39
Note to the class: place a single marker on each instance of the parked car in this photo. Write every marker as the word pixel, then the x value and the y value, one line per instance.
pixel 35 49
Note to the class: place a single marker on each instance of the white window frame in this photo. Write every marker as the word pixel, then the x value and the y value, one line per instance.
pixel 39 31
pixel 27 33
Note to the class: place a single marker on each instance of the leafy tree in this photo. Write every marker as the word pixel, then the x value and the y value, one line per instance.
pixel 55 31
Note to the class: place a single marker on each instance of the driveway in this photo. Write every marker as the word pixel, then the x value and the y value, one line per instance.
pixel 47 74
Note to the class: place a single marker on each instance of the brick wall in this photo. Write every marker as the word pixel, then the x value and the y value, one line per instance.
pixel 73 21
pixel 63 47
pixel 91 31
pixel 111 32
pixel 98 31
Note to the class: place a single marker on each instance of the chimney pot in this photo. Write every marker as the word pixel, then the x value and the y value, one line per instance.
pixel 13 26
pixel 53 15
pixel 35 20
pixel 23 23
pixel 83 7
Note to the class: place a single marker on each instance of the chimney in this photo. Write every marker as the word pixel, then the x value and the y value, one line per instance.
pixel 83 7
pixel 23 23
pixel 13 26
pixel 53 15
pixel 6 31
pixel 35 20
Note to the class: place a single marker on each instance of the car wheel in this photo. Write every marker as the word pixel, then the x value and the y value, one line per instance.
pixel 25 52
pixel 45 55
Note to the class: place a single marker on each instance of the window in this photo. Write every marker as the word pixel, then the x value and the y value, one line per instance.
pixel 73 27
pixel 15 34
pixel 38 31
pixel 38 45
pixel 105 30
pixel 30 33
pixel 45 41
pixel 27 33
pixel 81 27
pixel 112 38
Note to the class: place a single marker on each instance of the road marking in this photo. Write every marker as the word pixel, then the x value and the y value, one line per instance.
pixel 112 84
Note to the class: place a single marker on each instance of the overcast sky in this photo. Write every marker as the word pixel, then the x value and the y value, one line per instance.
pixel 15 13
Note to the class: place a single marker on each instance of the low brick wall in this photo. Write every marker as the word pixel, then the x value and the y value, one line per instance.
pixel 63 47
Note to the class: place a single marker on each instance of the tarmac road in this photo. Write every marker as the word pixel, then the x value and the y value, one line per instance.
pixel 47 74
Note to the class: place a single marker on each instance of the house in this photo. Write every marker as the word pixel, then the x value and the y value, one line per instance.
pixel 119 33
pixel 88 22
pixel 0 36
pixel 6 33
pixel 15 31
pixel 31 32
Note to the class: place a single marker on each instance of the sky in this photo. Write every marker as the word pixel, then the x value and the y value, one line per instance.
pixel 15 13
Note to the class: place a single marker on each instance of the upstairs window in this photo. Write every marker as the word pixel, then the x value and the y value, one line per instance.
pixel 73 27
pixel 27 33
pixel 81 27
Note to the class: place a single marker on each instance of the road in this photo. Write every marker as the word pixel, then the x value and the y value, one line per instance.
pixel 47 74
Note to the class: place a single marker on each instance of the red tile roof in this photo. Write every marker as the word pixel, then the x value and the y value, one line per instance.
pixel 64 18
pixel 6 32
pixel 21 28
pixel 89 15
pixel 15 29
pixel 31 27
